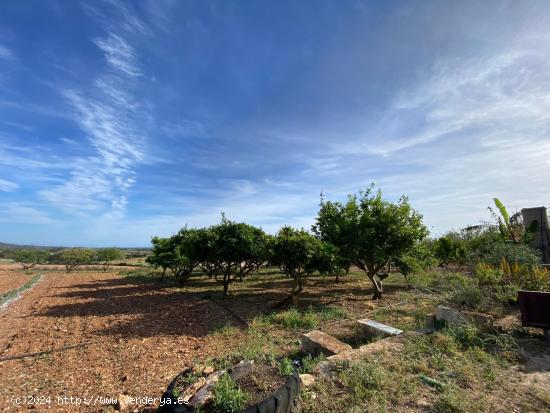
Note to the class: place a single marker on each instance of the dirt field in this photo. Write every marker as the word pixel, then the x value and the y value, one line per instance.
pixel 133 334
pixel 136 337
pixel 11 277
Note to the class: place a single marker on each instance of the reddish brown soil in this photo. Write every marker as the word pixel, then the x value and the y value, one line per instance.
pixel 139 335
pixel 10 280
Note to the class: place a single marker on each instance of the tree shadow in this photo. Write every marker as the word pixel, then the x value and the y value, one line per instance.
pixel 146 307
pixel 122 308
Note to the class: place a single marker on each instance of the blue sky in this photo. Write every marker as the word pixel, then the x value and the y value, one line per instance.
pixel 123 120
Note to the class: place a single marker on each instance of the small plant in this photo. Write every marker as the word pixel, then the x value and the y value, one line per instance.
pixel 308 363
pixel 330 313
pixel 286 367
pixel 228 396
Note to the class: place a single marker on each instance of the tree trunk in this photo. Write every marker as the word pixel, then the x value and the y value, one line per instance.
pixel 296 290
pixel 377 284
pixel 225 285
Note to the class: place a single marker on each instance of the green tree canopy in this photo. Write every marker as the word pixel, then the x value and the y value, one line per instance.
pixel 237 250
pixel 161 254
pixel 298 253
pixel 370 231
pixel 74 257
pixel 29 257
pixel 107 255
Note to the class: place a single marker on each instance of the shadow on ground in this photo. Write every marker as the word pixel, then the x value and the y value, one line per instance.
pixel 145 307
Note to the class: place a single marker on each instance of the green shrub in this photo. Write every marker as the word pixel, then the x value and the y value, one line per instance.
pixel 228 397
pixel 330 313
pixel 513 253
pixel 467 295
pixel 451 249
pixel 468 336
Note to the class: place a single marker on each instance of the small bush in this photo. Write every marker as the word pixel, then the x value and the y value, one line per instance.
pixel 228 397
pixel 469 336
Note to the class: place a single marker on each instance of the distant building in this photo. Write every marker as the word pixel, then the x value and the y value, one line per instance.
pixel 542 234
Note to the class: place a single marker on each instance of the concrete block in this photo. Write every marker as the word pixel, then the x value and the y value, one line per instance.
pixel 371 328
pixel 316 342
pixel 450 316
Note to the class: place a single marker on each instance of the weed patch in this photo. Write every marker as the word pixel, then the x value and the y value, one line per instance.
pixel 14 294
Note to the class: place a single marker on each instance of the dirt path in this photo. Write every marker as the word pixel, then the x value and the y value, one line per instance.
pixel 141 336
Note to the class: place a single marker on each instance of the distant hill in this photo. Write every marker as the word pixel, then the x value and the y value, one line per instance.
pixel 7 246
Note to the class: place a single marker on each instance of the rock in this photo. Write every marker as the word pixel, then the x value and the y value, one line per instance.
pixel 456 317
pixel 371 328
pixel 450 316
pixel 391 344
pixel 208 370
pixel 204 394
pixel 307 380
pixel 316 342
pixel 242 369
pixel 123 402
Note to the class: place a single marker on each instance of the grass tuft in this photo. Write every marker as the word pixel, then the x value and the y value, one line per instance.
pixel 228 396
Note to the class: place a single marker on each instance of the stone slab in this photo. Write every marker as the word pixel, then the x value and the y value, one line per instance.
pixel 316 342
pixel 371 328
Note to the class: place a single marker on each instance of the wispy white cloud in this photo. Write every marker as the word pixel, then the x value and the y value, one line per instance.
pixel 8 186
pixel 119 54
pixel 114 120
pixel 509 89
